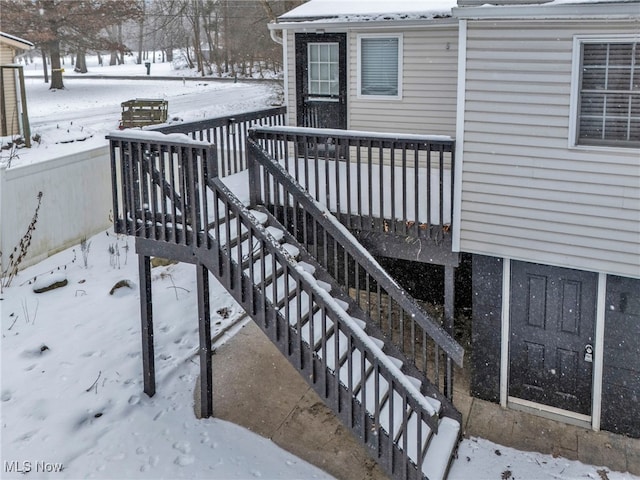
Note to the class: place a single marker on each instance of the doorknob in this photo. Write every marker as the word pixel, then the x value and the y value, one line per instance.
pixel 588 353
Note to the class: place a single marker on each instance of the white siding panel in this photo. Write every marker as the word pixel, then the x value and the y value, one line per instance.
pixel 290 94
pixel 428 104
pixel 526 194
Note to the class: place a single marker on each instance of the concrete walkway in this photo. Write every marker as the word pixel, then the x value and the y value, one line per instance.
pixel 254 386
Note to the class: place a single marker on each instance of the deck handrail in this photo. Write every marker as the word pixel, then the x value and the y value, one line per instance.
pixel 259 157
pixel 385 183
pixel 228 133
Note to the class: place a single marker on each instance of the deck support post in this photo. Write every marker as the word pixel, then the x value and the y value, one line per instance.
pixel 449 306
pixel 146 317
pixel 204 323
pixel 255 187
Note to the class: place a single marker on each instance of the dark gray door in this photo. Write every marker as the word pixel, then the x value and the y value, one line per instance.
pixel 321 83
pixel 553 313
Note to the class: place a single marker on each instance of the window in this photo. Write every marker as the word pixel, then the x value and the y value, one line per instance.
pixel 608 112
pixel 380 66
pixel 323 69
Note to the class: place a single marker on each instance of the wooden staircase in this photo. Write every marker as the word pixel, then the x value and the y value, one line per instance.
pixel 166 194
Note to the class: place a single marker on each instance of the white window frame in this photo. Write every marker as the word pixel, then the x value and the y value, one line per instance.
pixel 576 77
pixel 399 37
pixel 320 96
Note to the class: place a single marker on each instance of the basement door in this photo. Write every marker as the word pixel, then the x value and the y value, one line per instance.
pixel 553 314
pixel 321 80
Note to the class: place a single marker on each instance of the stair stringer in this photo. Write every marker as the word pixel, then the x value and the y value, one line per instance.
pixel 301 356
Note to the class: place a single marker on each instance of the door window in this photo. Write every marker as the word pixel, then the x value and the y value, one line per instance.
pixel 323 69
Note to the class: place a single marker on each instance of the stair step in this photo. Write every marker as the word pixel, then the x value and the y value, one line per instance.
pixel 370 392
pixel 324 285
pixel 356 370
pixel 268 269
pixel 283 288
pixel 303 298
pixel 398 416
pixel 343 346
pixel 276 233
pixel 292 250
pixel 233 227
pixel 361 323
pixel 438 456
pixel 307 267
pixel 343 305
pixel 416 452
pixel 316 322
pixel 261 217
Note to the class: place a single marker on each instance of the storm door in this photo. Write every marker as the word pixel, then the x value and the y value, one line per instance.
pixel 551 348
pixel 321 83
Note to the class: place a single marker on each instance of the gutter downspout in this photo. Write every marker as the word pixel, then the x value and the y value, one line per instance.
pixel 272 31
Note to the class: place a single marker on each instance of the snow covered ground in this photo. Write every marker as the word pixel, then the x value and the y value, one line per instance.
pixel 71 377
pixel 71 389
pixel 63 121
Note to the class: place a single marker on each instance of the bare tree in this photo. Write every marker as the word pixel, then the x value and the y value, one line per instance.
pixel 51 23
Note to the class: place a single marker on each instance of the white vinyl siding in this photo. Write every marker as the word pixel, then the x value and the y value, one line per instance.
pixel 9 96
pixel 428 86
pixel 429 77
pixel 525 194
pixel 290 93
pixel 380 66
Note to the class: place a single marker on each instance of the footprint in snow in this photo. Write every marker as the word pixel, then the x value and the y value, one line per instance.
pixel 184 460
pixel 6 395
pixel 184 447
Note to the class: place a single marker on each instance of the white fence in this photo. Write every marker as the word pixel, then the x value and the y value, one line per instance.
pixel 76 203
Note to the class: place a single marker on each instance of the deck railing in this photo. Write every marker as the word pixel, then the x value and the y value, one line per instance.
pixel 229 134
pixel 383 183
pixel 423 340
pixel 165 190
pixel 158 185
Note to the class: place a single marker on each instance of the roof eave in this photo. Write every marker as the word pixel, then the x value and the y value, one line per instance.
pixel 621 10
pixel 16 41
pixel 329 24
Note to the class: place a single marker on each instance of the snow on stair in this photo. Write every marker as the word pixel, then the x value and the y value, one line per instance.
pixel 438 455
pixel 320 333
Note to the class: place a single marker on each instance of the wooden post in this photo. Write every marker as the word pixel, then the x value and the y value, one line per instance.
pixel 146 317
pixel 26 128
pixel 204 322
pixel 449 306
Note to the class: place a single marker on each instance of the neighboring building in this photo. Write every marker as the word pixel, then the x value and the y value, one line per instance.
pixel 543 99
pixel 13 111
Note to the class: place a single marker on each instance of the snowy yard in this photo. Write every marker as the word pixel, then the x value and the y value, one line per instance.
pixel 71 390
pixel 71 387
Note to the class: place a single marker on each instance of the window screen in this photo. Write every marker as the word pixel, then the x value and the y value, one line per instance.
pixel 379 66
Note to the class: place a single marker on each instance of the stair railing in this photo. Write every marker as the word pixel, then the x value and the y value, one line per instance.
pixel 167 192
pixel 246 267
pixel 420 338
pixel 228 133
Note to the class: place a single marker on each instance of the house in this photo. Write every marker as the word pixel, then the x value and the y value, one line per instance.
pixel 13 114
pixel 542 99
pixel 427 132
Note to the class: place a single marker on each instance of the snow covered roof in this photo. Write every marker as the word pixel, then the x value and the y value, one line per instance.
pixel 15 41
pixel 550 9
pixel 368 10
